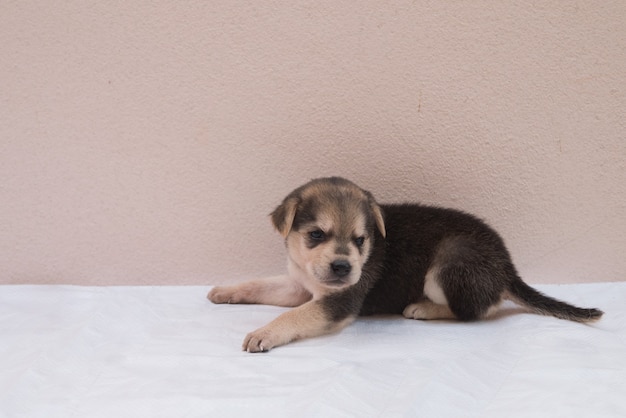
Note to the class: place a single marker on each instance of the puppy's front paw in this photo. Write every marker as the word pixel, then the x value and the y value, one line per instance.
pixel 259 341
pixel 222 294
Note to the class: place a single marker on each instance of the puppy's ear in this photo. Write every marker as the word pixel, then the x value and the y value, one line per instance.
pixel 380 220
pixel 378 214
pixel 283 215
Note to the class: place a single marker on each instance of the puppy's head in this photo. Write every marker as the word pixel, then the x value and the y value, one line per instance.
pixel 329 226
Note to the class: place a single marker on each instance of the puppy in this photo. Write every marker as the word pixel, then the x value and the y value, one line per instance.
pixel 349 256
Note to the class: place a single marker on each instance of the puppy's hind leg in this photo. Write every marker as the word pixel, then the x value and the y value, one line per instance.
pixel 278 290
pixel 472 292
pixel 425 309
pixel 436 306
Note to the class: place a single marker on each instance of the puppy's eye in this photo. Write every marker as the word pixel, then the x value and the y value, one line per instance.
pixel 317 235
pixel 359 241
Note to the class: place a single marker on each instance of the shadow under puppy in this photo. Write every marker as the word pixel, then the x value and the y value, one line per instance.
pixel 349 256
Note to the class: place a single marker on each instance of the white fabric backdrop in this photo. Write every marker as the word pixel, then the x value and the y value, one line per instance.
pixel 168 352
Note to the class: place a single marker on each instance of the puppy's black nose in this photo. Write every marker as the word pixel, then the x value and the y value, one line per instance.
pixel 341 267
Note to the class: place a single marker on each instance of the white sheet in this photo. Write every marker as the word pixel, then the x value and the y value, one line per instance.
pixel 168 352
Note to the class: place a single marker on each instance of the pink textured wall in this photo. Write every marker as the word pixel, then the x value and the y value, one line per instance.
pixel 146 142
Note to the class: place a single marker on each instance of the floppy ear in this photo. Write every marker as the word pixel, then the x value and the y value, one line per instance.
pixel 378 216
pixel 283 215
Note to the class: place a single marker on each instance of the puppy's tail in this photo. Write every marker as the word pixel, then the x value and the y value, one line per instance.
pixel 537 302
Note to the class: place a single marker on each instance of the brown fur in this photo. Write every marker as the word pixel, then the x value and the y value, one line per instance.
pixel 347 256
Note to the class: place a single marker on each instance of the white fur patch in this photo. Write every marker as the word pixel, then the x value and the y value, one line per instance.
pixel 432 290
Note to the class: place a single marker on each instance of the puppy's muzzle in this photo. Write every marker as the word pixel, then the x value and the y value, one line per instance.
pixel 340 268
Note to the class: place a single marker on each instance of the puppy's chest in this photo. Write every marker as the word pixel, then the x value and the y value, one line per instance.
pixel 393 281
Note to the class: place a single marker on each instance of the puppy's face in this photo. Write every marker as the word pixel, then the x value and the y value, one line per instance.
pixel 329 229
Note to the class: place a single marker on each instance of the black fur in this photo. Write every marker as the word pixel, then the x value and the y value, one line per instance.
pixel 475 268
